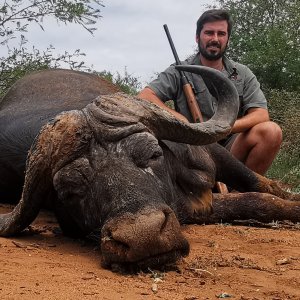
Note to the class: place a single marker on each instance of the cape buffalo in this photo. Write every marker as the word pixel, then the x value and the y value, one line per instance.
pixel 123 169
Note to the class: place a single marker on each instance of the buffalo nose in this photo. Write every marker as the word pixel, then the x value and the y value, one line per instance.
pixel 147 238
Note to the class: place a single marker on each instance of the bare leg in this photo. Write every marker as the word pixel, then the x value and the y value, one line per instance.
pixel 257 147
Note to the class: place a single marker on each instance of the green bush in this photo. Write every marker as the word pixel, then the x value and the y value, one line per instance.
pixel 128 83
pixel 285 110
pixel 286 168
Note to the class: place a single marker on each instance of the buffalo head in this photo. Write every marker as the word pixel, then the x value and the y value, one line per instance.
pixel 108 169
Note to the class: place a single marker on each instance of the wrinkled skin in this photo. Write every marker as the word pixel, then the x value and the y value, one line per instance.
pixel 31 103
pixel 124 171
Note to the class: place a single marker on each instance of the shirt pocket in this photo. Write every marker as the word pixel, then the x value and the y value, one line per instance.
pixel 239 85
pixel 207 103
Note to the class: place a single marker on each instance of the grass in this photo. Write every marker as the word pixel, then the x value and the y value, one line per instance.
pixel 286 168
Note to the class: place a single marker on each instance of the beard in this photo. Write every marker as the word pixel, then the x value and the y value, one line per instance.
pixel 211 55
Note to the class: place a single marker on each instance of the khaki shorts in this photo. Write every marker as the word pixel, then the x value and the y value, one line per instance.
pixel 228 141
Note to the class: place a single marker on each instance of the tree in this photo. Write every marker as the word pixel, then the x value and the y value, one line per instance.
pixel 128 83
pixel 15 15
pixel 266 37
pixel 15 18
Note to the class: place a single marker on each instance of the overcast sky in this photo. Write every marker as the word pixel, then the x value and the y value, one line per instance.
pixel 130 35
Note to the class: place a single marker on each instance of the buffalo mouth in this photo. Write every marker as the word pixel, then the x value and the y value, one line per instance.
pixel 160 261
pixel 150 238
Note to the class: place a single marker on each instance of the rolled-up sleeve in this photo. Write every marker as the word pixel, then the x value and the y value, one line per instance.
pixel 167 85
pixel 252 93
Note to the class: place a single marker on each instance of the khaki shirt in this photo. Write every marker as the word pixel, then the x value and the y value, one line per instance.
pixel 168 86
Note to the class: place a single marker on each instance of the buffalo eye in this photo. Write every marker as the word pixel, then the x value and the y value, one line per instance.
pixel 156 154
pixel 143 148
pixel 148 155
pixel 73 179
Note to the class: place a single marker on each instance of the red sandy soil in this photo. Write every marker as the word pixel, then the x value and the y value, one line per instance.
pixel 232 262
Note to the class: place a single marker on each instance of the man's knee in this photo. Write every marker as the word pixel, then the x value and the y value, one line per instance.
pixel 268 132
pixel 267 136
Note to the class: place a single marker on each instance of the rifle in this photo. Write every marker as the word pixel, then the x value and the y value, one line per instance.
pixel 187 88
pixel 191 100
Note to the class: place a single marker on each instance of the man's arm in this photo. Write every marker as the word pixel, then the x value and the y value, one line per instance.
pixel 253 117
pixel 149 95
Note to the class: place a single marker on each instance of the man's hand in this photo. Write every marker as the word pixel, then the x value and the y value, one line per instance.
pixel 253 117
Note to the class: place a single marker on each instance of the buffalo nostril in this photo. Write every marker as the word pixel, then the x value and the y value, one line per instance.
pixel 165 222
pixel 149 235
pixel 109 239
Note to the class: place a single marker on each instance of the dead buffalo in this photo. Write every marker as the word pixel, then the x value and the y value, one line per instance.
pixel 124 169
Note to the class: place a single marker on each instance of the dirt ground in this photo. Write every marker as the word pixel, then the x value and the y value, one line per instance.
pixel 234 262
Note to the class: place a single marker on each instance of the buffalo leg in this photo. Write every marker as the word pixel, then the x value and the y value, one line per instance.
pixel 262 207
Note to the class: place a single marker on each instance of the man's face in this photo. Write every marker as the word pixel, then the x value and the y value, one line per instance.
pixel 213 39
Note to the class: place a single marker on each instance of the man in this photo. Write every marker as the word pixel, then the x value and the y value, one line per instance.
pixel 255 140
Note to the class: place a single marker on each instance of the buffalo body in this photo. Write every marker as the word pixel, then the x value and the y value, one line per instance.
pixel 123 170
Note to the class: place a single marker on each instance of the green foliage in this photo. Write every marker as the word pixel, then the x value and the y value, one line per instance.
pixel 285 110
pixel 127 82
pixel 20 62
pixel 266 38
pixel 15 17
pixel 286 168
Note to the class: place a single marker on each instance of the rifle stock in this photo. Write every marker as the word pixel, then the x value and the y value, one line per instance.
pixel 192 103
pixel 187 88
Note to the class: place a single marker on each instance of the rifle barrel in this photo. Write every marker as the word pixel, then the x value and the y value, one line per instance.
pixel 187 88
pixel 172 44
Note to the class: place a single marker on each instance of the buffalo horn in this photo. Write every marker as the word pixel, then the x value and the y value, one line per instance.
pixel 216 128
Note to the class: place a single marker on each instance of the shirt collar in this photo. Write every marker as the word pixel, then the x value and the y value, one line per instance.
pixel 228 64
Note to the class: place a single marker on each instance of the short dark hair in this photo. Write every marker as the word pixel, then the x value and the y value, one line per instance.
pixel 214 15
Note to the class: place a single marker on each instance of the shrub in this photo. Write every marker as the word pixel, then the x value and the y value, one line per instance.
pixel 285 110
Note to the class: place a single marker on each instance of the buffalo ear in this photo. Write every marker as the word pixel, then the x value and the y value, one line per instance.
pixel 58 143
